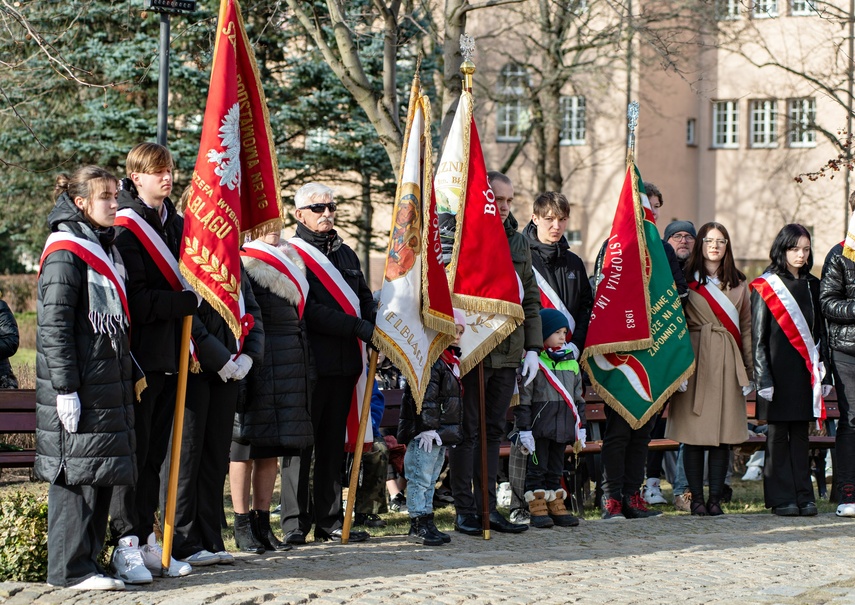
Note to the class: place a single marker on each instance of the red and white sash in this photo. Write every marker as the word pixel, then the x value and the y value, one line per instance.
pixel 277 259
pixel 549 299
pixel 556 384
pixel 334 282
pixel 93 255
pixel 789 316
pixel 723 308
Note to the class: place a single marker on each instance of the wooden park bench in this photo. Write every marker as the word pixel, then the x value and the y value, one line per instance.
pixel 17 416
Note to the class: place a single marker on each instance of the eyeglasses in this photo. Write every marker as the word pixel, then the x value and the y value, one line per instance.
pixel 714 242
pixel 683 238
pixel 319 208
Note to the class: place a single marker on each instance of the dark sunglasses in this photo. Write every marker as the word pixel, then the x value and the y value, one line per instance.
pixel 319 208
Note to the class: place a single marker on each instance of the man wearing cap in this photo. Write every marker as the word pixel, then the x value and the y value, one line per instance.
pixel 335 277
pixel 681 236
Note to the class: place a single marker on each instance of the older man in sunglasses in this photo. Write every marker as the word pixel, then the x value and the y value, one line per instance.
pixel 335 326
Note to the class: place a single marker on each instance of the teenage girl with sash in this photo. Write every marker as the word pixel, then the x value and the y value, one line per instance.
pixel 84 390
pixel 710 415
pixel 787 330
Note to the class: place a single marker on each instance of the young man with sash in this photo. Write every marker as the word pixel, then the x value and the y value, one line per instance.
pixel 340 321
pixel 787 331
pixel 149 235
pixel 564 286
pixel 837 298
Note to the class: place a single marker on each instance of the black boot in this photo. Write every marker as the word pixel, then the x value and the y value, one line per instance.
pixel 432 527
pixel 264 533
pixel 244 537
pixel 420 533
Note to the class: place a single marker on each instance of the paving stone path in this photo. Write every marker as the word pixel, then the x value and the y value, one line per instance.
pixel 732 559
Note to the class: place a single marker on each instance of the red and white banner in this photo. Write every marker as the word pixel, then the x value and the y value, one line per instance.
pixel 723 308
pixel 789 316
pixel 235 185
pixel 481 273
pixel 346 298
pixel 277 259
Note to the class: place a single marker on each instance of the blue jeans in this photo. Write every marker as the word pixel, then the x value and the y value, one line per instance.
pixel 681 484
pixel 422 470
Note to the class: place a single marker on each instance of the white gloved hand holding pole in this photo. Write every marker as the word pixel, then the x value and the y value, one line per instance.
pixel 527 442
pixel 244 365
pixel 68 410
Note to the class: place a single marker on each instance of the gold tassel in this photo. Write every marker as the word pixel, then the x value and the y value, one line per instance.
pixel 139 387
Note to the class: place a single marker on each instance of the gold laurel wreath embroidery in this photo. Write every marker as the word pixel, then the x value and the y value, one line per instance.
pixel 211 265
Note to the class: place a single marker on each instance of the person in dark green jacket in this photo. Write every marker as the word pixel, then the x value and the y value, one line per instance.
pixel 500 375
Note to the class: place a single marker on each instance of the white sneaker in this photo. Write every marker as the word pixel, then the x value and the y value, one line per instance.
pixel 846 509
pixel 127 562
pixel 503 494
pixel 652 493
pixel 152 555
pixel 202 558
pixel 99 582
pixel 225 558
pixel 520 516
pixel 754 473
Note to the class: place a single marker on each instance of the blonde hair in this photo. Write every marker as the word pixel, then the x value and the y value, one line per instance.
pixel 80 184
pixel 148 158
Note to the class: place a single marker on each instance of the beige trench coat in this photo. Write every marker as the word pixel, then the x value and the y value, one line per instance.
pixel 712 410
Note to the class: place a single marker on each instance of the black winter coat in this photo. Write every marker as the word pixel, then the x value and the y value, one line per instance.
pixel 442 408
pixel 565 272
pixel 837 298
pixel 276 410
pixel 777 363
pixel 72 358
pixel 331 330
pixel 156 309
pixel 8 345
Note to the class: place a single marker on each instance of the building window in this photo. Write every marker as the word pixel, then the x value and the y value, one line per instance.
pixel 726 10
pixel 726 124
pixel 574 237
pixel 801 8
pixel 762 9
pixel 801 114
pixel 573 120
pixel 764 123
pixel 512 111
pixel 691 137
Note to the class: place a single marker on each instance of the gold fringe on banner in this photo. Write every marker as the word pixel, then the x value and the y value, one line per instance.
pixel 213 300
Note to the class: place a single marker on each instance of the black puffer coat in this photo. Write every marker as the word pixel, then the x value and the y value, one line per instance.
pixel 565 272
pixel 331 330
pixel 8 346
pixel 442 408
pixel 72 358
pixel 777 363
pixel 276 409
pixel 837 298
pixel 156 309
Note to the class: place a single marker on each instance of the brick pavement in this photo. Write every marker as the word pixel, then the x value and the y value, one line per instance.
pixel 732 559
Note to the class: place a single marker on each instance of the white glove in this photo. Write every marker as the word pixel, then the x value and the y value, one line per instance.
pixel 228 370
pixel 684 386
pixel 746 390
pixel 426 440
pixel 573 348
pixel 821 370
pixel 583 437
pixel 826 390
pixel 529 367
pixel 68 410
pixel 244 364
pixel 527 442
pixel 767 393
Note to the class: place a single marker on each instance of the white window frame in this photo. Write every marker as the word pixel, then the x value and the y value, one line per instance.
pixel 574 126
pixel 692 132
pixel 803 8
pixel 511 110
pixel 764 9
pixel 801 121
pixel 727 10
pixel 725 124
pixel 763 123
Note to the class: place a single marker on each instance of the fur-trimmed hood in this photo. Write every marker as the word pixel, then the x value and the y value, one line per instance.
pixel 274 280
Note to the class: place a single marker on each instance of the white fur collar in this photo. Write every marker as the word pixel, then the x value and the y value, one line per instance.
pixel 274 280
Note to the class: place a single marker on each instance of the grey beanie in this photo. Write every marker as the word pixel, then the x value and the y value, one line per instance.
pixel 676 226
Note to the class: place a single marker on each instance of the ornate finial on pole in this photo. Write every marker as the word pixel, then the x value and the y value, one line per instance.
pixel 467 68
pixel 632 122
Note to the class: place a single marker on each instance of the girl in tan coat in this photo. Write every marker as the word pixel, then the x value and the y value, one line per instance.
pixel 710 415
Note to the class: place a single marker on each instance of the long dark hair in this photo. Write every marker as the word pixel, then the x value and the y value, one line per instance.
pixel 727 272
pixel 787 238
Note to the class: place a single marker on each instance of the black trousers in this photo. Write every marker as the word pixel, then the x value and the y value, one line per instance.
pixel 330 405
pixel 693 462
pixel 465 459
pixel 624 455
pixel 844 381
pixel 294 499
pixel 77 525
pixel 544 468
pixel 786 473
pixel 207 435
pixel 133 507
pixel 654 459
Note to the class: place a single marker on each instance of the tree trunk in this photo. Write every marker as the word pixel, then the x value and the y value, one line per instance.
pixel 550 161
pixel 455 26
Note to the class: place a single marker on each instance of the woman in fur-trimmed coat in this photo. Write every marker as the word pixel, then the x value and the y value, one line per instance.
pixel 274 418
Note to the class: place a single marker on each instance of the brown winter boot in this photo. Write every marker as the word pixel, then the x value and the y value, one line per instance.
pixel 557 510
pixel 536 500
